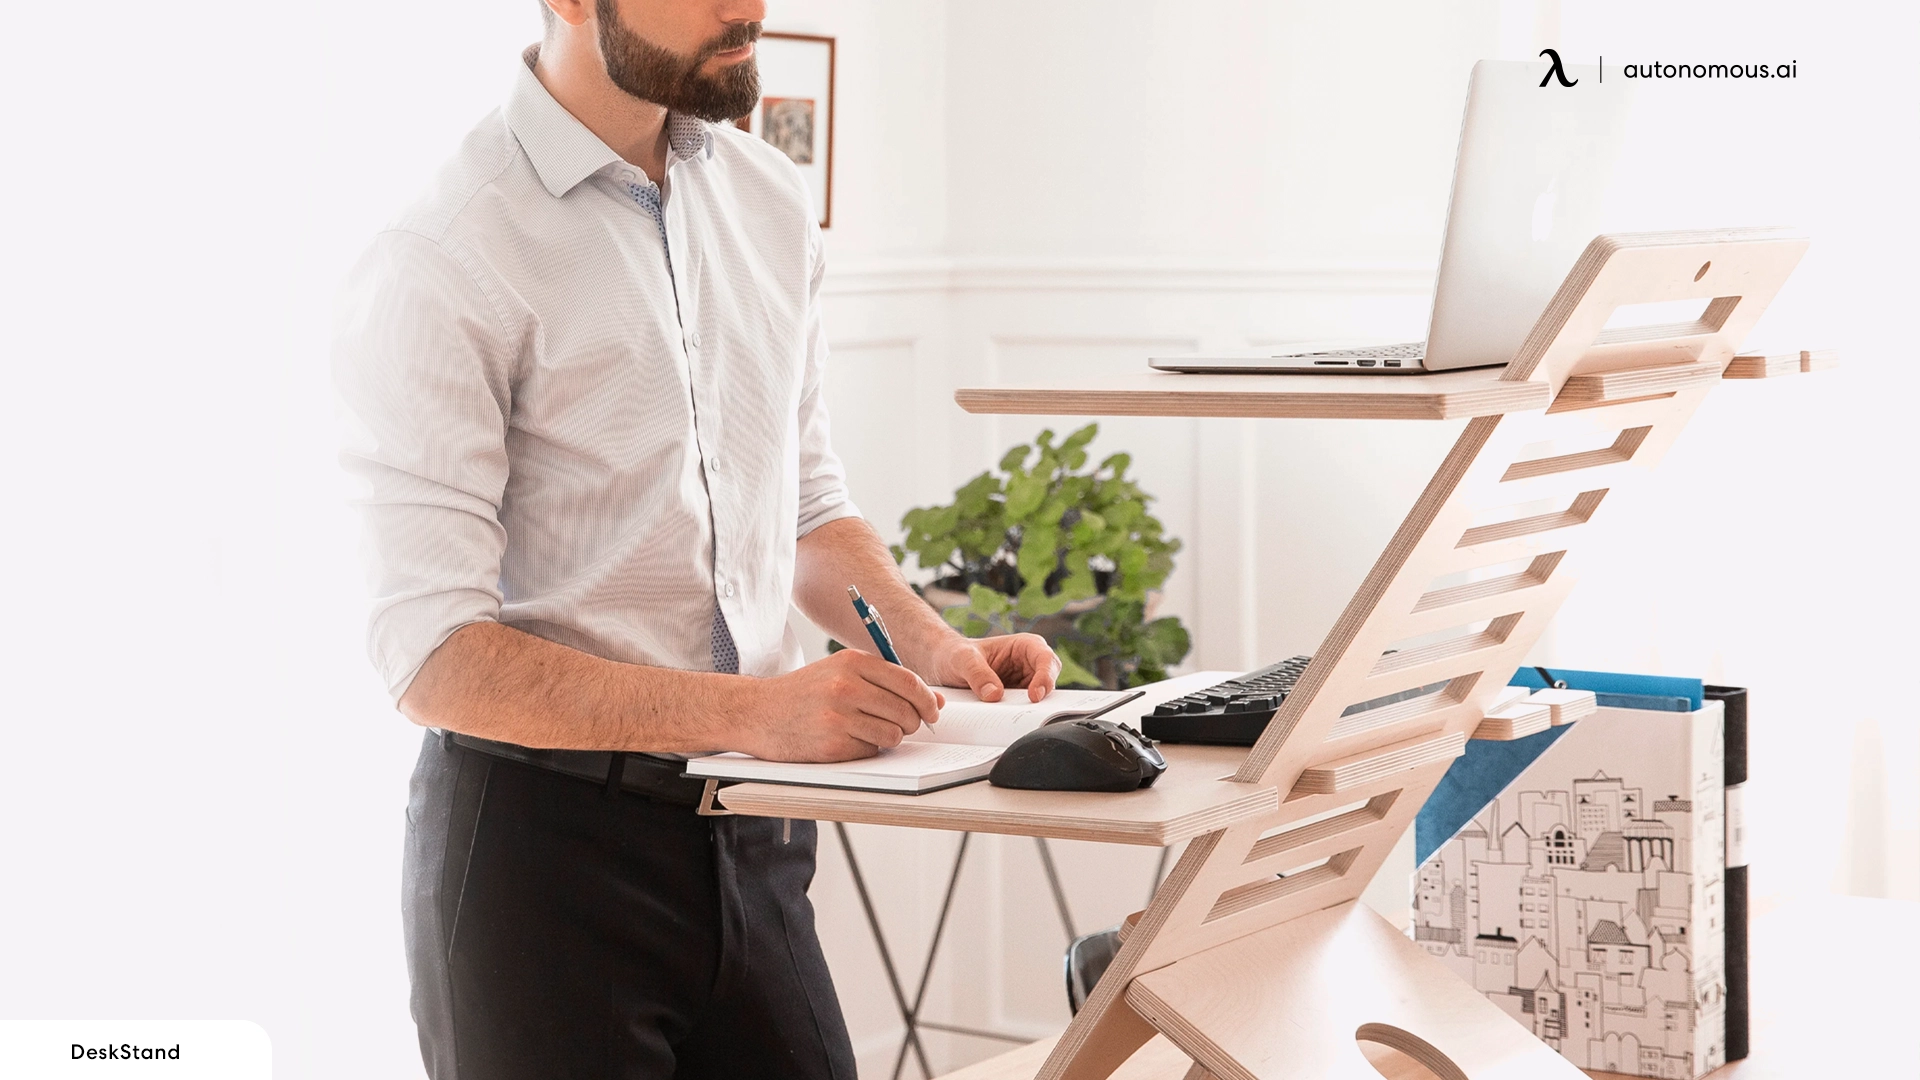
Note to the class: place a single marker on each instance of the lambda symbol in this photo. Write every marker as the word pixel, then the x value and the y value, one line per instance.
pixel 1555 72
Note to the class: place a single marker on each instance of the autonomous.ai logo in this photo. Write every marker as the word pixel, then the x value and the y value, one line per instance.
pixel 1556 71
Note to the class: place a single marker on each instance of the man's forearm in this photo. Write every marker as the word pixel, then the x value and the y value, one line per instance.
pixel 495 682
pixel 849 552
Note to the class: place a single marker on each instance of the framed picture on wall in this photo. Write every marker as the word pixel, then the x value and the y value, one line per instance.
pixel 795 112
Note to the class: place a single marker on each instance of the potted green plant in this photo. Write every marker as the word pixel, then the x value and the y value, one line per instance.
pixel 1047 546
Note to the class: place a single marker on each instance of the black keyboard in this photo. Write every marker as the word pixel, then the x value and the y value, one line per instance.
pixel 1235 712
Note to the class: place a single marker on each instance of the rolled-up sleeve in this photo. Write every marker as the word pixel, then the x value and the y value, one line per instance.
pixel 823 480
pixel 424 373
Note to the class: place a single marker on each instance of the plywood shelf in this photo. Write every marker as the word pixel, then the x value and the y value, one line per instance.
pixel 1444 396
pixel 1194 796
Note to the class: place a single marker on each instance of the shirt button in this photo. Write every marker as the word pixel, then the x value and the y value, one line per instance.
pixel 714 463
pixel 694 338
pixel 727 589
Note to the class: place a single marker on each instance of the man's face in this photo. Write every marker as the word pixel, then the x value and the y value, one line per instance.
pixel 684 56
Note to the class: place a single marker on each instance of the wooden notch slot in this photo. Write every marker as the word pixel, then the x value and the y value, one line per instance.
pixel 1459 641
pixel 1327 823
pixel 1568 439
pixel 1536 573
pixel 1422 702
pixel 1267 890
pixel 1575 404
pixel 1584 504
pixel 1711 319
pixel 1475 572
pixel 1625 445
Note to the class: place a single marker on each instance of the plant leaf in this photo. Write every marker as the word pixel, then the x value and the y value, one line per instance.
pixel 1039 553
pixel 1036 604
pixel 1072 674
pixel 1024 495
pixel 986 601
pixel 1164 641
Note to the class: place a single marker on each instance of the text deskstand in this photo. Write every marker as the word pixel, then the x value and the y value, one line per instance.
pixel 1255 958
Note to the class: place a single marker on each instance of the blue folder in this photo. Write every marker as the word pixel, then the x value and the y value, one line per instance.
pixel 1663 693
pixel 1488 767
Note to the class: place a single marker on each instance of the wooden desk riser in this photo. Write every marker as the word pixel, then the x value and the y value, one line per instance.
pixel 1258 920
pixel 1802 949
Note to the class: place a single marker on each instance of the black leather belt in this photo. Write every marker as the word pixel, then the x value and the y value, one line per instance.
pixel 642 774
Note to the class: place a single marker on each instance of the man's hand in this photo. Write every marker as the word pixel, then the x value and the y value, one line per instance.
pixel 849 705
pixel 988 665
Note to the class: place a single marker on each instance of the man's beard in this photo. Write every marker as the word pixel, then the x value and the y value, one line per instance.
pixel 654 74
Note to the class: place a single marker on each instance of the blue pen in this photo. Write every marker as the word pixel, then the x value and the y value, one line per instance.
pixel 876 629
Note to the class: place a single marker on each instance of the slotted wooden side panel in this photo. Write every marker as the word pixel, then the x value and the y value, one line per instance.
pixel 1441 632
pixel 1455 601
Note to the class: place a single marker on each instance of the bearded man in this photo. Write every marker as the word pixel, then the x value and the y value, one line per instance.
pixel 583 383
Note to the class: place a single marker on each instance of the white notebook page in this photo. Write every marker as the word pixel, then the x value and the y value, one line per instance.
pixel 967 719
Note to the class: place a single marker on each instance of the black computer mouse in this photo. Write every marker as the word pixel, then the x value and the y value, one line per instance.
pixel 1079 755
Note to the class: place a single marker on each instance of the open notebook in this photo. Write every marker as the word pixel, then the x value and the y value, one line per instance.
pixel 961 747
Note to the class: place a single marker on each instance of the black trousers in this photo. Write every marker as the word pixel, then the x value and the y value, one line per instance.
pixel 557 932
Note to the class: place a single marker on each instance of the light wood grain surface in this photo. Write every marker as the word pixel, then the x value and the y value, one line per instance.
pixel 1287 1003
pixel 1442 396
pixel 1192 797
pixel 1763 365
pixel 1832 996
pixel 1580 391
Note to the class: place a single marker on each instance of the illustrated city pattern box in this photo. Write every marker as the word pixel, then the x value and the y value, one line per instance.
pixel 1586 898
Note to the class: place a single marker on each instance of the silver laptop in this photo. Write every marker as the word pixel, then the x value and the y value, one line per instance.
pixel 1529 182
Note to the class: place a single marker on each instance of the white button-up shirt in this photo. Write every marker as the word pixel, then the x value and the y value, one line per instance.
pixel 580 419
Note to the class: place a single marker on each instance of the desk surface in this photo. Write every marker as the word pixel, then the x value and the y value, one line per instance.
pixel 1832 992
pixel 1190 798
pixel 1443 396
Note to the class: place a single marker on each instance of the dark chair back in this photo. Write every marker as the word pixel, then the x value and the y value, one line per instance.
pixel 1087 960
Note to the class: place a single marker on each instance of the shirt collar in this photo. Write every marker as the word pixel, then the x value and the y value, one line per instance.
pixel 561 148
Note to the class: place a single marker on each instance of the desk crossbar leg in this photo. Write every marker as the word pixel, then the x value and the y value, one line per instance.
pixel 910 1010
pixel 886 956
pixel 1053 883
pixel 933 950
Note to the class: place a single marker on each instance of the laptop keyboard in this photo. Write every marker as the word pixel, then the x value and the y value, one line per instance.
pixel 1412 350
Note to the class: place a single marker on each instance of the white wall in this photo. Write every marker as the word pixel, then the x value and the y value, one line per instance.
pixel 207 806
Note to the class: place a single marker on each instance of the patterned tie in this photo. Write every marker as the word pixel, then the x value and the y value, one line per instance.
pixel 726 658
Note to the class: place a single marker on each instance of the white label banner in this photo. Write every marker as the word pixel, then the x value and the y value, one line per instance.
pixel 196 1049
